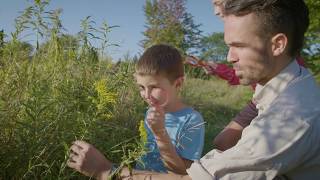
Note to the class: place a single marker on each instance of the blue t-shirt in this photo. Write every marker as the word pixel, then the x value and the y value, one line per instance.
pixel 186 130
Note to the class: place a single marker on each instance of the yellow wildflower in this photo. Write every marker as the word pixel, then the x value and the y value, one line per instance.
pixel 142 132
pixel 105 100
pixel 105 97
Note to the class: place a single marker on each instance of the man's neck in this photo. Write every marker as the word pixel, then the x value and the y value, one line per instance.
pixel 279 63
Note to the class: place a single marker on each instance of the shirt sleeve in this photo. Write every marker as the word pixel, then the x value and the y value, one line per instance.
pixel 270 145
pixel 190 139
pixel 246 115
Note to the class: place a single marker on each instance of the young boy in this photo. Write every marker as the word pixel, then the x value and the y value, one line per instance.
pixel 175 131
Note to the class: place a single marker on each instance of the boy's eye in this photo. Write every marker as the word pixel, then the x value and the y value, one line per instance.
pixel 153 87
pixel 141 88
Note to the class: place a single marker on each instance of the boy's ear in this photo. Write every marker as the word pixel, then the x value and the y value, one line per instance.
pixel 179 82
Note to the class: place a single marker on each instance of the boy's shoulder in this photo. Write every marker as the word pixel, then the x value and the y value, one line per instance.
pixel 187 114
pixel 185 111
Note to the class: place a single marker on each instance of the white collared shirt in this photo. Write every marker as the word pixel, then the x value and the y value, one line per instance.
pixel 283 139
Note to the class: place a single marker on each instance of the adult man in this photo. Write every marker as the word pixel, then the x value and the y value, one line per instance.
pixel 263 37
pixel 231 134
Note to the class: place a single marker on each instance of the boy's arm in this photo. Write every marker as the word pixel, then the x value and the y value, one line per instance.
pixel 169 155
pixel 89 161
pixel 147 175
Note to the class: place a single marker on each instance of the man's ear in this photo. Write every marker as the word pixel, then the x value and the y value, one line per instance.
pixel 279 44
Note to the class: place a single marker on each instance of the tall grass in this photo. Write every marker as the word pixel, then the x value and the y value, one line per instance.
pixel 57 94
pixel 46 105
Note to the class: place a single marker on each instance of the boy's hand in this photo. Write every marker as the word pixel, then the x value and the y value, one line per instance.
pixel 88 160
pixel 155 120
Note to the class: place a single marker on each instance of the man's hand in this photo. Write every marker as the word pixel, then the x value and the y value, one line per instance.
pixel 88 160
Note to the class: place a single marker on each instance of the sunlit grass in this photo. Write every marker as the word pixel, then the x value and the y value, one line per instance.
pixel 217 101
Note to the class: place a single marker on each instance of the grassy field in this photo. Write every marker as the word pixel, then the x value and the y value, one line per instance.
pixel 217 102
pixel 65 89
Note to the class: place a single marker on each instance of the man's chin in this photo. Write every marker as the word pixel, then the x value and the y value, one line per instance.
pixel 245 82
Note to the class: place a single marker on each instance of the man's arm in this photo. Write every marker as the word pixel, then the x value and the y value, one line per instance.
pixel 228 137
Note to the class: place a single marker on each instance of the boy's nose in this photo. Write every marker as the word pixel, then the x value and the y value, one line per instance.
pixel 147 94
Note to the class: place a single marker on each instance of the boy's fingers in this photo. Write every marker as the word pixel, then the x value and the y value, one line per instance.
pixel 157 109
pixel 74 158
pixel 155 113
pixel 80 143
pixel 73 164
pixel 75 149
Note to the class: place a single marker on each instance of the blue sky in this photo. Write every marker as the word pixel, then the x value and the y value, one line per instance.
pixel 128 14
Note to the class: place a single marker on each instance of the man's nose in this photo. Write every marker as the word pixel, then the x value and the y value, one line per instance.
pixel 231 57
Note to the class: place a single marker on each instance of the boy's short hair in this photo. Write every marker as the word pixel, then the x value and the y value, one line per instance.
pixel 161 60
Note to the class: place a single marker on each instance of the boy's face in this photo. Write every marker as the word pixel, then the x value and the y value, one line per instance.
pixel 156 89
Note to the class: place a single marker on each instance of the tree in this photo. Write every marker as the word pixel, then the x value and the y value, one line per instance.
pixel 311 50
pixel 168 22
pixel 1 41
pixel 212 47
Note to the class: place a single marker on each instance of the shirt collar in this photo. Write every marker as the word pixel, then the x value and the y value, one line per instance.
pixel 264 95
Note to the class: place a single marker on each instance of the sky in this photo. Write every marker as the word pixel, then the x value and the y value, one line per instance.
pixel 128 14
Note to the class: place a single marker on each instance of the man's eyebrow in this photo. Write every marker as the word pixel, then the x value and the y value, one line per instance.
pixel 237 44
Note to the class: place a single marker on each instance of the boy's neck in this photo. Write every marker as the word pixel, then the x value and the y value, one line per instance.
pixel 175 106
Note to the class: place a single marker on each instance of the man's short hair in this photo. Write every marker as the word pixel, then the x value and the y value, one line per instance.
pixel 161 60
pixel 290 17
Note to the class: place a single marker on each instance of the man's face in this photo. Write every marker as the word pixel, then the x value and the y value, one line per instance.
pixel 249 53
